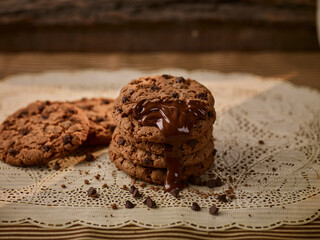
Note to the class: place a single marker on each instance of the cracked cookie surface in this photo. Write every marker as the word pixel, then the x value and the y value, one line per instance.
pixel 98 111
pixel 158 88
pixel 148 159
pixel 156 175
pixel 42 131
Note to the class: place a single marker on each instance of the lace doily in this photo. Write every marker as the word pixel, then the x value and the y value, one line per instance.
pixel 267 139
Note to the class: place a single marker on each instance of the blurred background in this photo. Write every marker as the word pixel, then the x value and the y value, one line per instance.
pixel 264 37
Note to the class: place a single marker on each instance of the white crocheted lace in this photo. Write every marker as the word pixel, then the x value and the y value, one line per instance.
pixel 267 137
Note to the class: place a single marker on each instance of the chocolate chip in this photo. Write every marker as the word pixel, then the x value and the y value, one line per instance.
pixel 192 142
pixel 100 119
pixel 150 203
pixel 147 161
pixel 136 194
pixel 219 182
pixel 121 141
pixel 175 95
pixel 71 111
pixel 196 180
pixel 155 88
pixel 23 112
pixel 195 207
pixel 214 152
pixel 47 103
pixel 175 192
pixel 119 110
pixel 44 116
pixel 92 192
pixel 131 91
pixel 46 148
pixel 41 107
pixel 180 80
pixel 129 204
pixel 223 198
pixel 132 188
pixel 24 131
pixel 13 152
pixel 166 76
pixel 56 166
pixel 211 183
pixel 123 115
pixel 202 96
pixel 67 139
pixel 105 101
pixel 124 99
pixel 210 114
pixel 213 210
pixel 89 157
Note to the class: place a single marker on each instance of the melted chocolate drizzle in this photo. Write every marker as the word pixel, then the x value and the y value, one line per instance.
pixel 175 119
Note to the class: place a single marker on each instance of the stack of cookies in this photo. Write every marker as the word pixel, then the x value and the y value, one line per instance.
pixel 46 130
pixel 164 130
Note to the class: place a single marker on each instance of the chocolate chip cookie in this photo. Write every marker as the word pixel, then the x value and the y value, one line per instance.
pixel 98 111
pixel 191 146
pixel 161 88
pixel 130 152
pixel 156 175
pixel 42 131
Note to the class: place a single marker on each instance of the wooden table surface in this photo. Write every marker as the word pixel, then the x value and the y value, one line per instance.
pixel 301 68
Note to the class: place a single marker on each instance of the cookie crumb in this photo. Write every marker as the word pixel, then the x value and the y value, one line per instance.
pixel 104 185
pixel 114 206
pixel 63 186
pixel 86 181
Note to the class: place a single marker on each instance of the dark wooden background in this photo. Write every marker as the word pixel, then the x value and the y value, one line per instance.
pixel 157 25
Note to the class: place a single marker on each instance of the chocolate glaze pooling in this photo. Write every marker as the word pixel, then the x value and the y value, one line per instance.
pixel 175 119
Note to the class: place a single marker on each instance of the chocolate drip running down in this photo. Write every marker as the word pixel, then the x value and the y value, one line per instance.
pixel 175 119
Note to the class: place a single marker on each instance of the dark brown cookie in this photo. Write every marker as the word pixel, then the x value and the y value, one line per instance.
pixel 149 159
pixel 156 175
pixel 191 146
pixel 159 88
pixel 42 131
pixel 99 111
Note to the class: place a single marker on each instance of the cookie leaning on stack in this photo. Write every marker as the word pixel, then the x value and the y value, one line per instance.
pixel 43 131
pixel 164 130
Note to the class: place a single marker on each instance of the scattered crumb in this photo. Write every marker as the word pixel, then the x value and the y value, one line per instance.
pixel 86 181
pixel 104 185
pixel 63 186
pixel 142 184
pixel 114 206
pixel 249 215
pixel 124 187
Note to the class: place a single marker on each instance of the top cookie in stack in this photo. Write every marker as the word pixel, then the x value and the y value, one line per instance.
pixel 164 129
